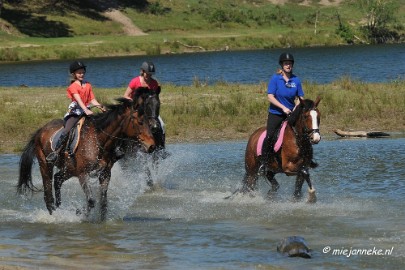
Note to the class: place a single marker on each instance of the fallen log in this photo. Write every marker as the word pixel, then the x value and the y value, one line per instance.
pixel 375 134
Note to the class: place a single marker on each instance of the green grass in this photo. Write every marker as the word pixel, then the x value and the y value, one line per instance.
pixel 82 32
pixel 218 112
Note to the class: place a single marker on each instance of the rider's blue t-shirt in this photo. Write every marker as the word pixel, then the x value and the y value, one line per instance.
pixel 284 92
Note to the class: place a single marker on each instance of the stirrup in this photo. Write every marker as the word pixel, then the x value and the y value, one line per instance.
pixel 262 169
pixel 52 157
pixel 119 153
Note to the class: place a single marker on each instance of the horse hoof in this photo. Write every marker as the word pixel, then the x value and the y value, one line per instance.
pixel 311 195
pixel 91 203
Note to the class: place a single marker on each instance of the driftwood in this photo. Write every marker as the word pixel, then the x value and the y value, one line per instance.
pixel 190 46
pixel 375 134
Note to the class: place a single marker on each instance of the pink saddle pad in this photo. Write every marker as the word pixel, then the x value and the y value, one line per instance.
pixel 278 144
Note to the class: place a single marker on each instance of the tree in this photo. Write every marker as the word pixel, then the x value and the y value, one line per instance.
pixel 379 13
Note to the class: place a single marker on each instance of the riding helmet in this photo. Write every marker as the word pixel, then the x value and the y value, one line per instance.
pixel 76 65
pixel 285 57
pixel 148 67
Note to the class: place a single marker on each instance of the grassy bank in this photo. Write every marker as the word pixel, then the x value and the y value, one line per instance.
pixel 219 112
pixel 83 30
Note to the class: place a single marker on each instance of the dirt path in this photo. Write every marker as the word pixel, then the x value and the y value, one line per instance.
pixel 128 26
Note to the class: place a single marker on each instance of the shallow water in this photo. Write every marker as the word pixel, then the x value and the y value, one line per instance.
pixel 185 222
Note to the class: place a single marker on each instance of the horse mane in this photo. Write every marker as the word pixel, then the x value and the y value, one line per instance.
pixel 140 91
pixel 103 120
pixel 304 106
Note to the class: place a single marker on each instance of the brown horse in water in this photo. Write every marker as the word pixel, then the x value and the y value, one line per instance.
pixel 95 152
pixel 295 155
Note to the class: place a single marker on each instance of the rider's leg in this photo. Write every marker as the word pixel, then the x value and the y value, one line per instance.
pixel 273 122
pixel 69 123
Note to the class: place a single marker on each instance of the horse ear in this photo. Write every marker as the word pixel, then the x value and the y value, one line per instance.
pixel 318 99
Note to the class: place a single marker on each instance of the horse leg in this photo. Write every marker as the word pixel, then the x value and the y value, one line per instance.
pixel 301 177
pixel 311 190
pixel 249 183
pixel 104 180
pixel 87 191
pixel 46 173
pixel 274 184
pixel 59 178
pixel 149 181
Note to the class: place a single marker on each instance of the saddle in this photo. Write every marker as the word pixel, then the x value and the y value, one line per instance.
pixel 73 138
pixel 279 142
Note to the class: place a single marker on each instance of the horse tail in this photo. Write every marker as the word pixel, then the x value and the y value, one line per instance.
pixel 26 162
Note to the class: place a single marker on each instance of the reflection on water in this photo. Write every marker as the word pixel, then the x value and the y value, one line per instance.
pixel 185 222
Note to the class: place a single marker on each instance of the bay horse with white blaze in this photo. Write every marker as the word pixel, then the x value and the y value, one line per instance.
pixel 95 152
pixel 295 155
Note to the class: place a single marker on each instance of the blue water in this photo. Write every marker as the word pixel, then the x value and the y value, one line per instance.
pixel 372 63
pixel 185 223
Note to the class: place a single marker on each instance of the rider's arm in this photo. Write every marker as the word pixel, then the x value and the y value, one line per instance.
pixel 97 104
pixel 128 93
pixel 81 104
pixel 275 102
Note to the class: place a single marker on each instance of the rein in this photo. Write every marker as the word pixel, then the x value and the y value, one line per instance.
pixel 307 132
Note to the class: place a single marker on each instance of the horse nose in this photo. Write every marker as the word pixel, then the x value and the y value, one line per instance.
pixel 151 148
pixel 316 138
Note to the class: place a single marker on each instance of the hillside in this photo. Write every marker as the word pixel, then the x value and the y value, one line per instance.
pixel 50 29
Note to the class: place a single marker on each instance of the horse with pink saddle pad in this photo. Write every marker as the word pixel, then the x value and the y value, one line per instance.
pixel 293 150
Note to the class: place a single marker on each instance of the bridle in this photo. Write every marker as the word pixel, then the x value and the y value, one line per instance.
pixel 308 132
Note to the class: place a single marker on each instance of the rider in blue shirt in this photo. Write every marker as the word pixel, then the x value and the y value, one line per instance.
pixel 282 92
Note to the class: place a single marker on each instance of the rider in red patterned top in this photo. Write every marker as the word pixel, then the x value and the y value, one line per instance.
pixel 82 96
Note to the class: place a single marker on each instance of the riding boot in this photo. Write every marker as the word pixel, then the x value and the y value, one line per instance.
pixel 264 158
pixel 53 156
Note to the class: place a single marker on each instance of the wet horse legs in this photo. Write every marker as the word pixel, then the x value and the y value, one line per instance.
pixel 249 183
pixel 302 176
pixel 274 184
pixel 104 180
pixel 46 172
pixel 59 178
pixel 83 179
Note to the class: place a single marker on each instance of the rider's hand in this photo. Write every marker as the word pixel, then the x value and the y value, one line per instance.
pixel 102 108
pixel 286 111
pixel 88 112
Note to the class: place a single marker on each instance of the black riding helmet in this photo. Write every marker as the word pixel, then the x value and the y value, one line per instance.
pixel 76 65
pixel 285 57
pixel 148 67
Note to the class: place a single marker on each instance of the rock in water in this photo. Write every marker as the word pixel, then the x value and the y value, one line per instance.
pixel 294 246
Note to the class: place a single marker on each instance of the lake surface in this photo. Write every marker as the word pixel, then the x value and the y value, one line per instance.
pixel 372 63
pixel 185 223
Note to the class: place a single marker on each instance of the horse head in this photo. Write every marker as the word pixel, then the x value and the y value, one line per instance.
pixel 307 119
pixel 137 126
pixel 151 106
pixel 126 120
